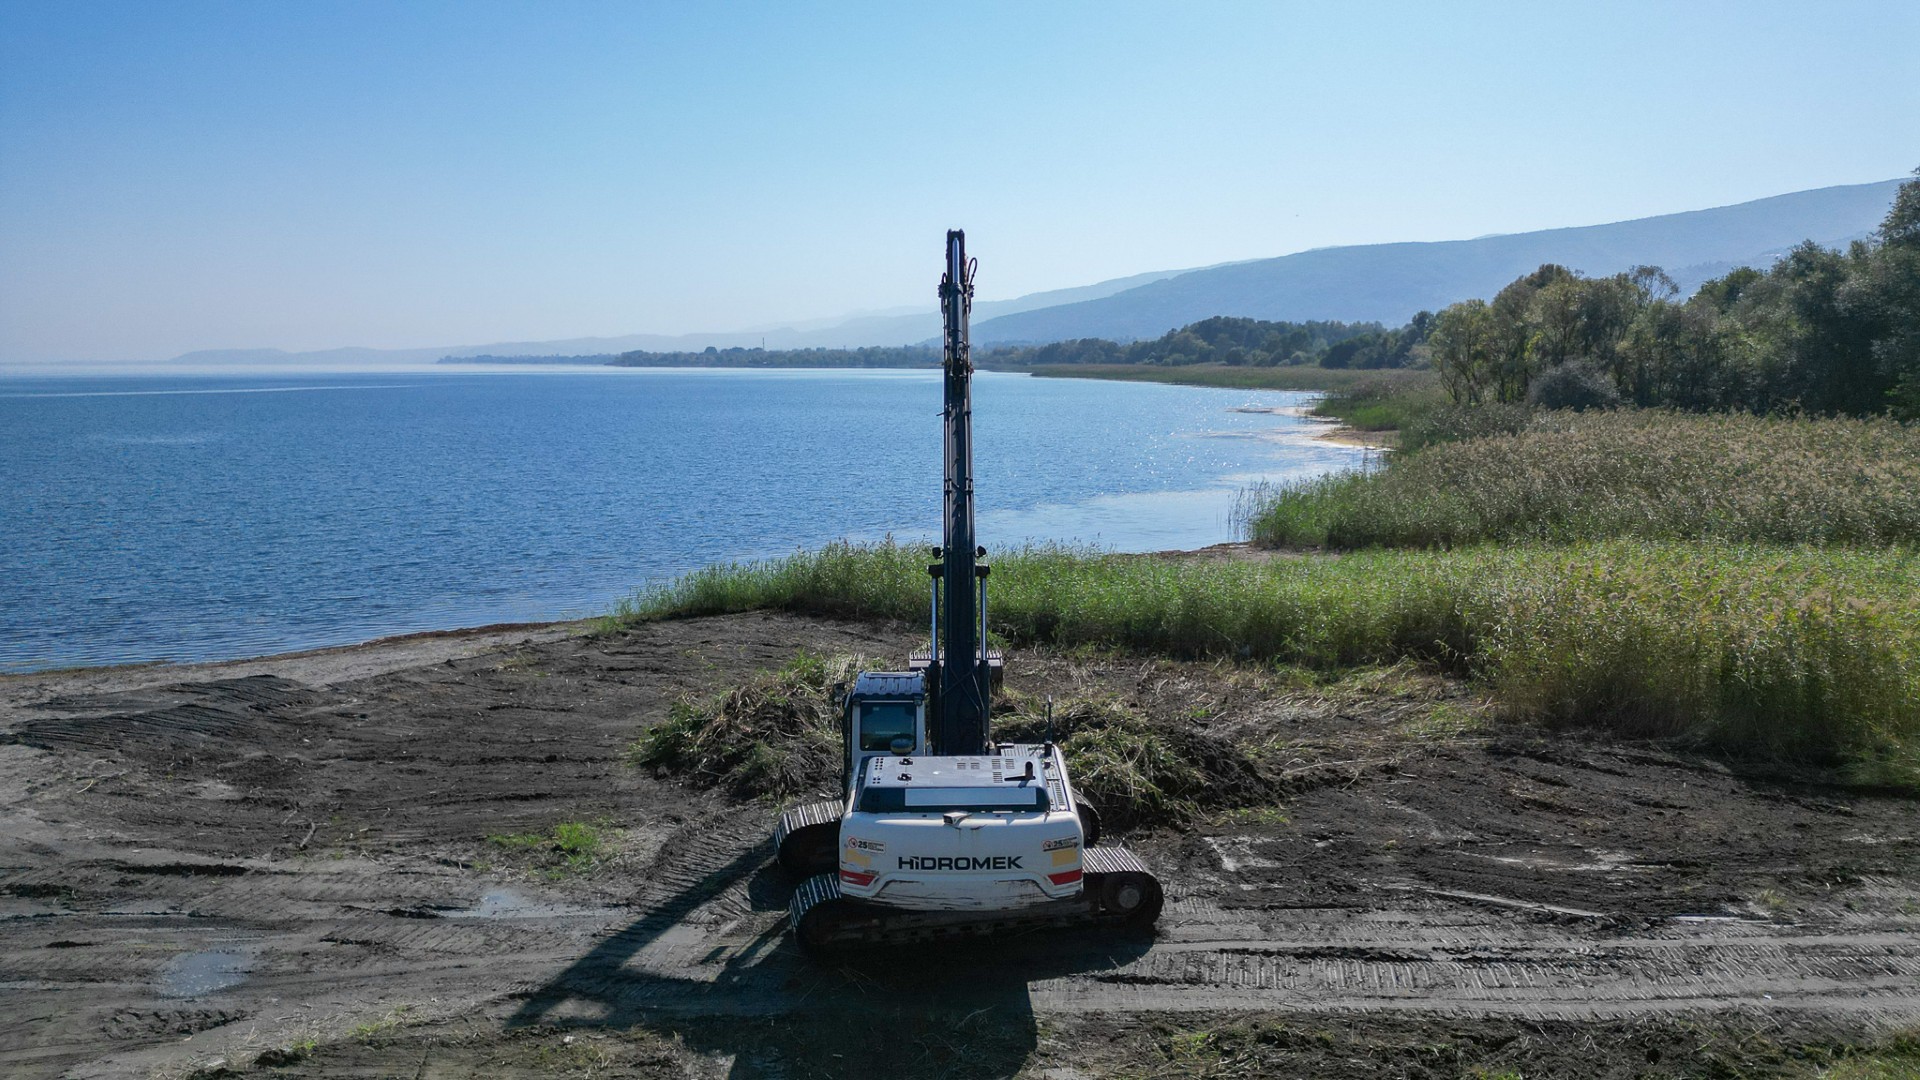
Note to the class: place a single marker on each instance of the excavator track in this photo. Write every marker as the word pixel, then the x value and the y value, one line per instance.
pixel 1118 890
pixel 807 838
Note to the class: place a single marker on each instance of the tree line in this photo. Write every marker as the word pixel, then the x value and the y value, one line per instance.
pixel 1821 331
pixel 1219 340
pixel 1241 342
pixel 878 356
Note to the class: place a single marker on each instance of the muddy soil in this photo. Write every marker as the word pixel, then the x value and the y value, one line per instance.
pixel 307 866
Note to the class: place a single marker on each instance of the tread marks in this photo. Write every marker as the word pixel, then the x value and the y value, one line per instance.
pixel 1628 975
pixel 215 719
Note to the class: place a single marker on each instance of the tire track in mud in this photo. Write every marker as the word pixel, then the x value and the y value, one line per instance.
pixel 1872 975
pixel 702 949
pixel 1443 956
pixel 219 717
pixel 712 905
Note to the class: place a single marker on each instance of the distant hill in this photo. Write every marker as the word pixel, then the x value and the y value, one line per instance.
pixel 921 326
pixel 1383 283
pixel 876 329
pixel 1388 283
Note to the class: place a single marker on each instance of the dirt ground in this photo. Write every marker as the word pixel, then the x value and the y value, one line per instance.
pixel 284 867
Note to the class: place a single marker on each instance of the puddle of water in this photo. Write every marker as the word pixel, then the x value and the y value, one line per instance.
pixel 198 974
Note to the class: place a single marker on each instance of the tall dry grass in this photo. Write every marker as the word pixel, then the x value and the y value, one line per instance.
pixel 1784 652
pixel 1654 475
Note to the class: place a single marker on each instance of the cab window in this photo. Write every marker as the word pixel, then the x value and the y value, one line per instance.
pixel 881 722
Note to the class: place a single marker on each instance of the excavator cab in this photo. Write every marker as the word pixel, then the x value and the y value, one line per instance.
pixel 884 714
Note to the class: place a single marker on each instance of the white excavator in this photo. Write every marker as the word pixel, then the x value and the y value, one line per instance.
pixel 940 830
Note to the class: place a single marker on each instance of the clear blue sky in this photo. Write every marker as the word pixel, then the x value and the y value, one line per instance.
pixel 177 176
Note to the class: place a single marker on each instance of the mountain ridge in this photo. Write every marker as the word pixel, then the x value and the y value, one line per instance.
pixel 877 328
pixel 1388 283
pixel 1384 283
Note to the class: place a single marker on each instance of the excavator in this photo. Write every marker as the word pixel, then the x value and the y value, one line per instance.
pixel 940 830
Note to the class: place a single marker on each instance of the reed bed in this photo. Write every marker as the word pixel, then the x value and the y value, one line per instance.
pixel 1570 477
pixel 1392 400
pixel 1794 653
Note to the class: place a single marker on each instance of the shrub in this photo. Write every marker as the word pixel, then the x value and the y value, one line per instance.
pixel 1577 386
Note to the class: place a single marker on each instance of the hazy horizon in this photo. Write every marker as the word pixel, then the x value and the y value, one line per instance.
pixel 183 178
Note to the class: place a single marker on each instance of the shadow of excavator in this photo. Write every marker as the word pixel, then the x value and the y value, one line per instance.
pixel 950 1009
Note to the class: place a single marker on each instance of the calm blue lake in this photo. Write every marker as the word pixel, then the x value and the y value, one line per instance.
pixel 210 518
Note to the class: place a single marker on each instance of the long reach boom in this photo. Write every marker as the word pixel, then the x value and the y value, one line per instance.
pixel 940 830
pixel 962 679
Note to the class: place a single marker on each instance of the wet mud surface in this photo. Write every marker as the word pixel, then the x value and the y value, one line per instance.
pixel 285 867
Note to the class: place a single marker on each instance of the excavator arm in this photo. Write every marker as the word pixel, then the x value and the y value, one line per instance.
pixel 960 675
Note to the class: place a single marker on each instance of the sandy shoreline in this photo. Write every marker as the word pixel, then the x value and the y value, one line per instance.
pixel 333 663
pixel 1334 430
pixel 1350 436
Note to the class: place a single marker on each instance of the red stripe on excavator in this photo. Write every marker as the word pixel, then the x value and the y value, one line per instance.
pixel 1067 878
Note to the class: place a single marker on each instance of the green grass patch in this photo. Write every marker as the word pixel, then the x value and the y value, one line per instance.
pixel 1588 476
pixel 382 1029
pixel 1897 1059
pixel 1444 723
pixel 569 847
pixel 1384 400
pixel 1805 654
pixel 1269 817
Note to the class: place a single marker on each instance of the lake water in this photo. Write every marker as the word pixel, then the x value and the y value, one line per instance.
pixel 209 518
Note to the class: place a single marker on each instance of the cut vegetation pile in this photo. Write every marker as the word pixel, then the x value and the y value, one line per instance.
pixel 776 735
pixel 1135 770
pixel 1654 475
pixel 1793 653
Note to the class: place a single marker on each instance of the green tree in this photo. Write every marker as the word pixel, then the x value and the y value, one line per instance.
pixel 1460 342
